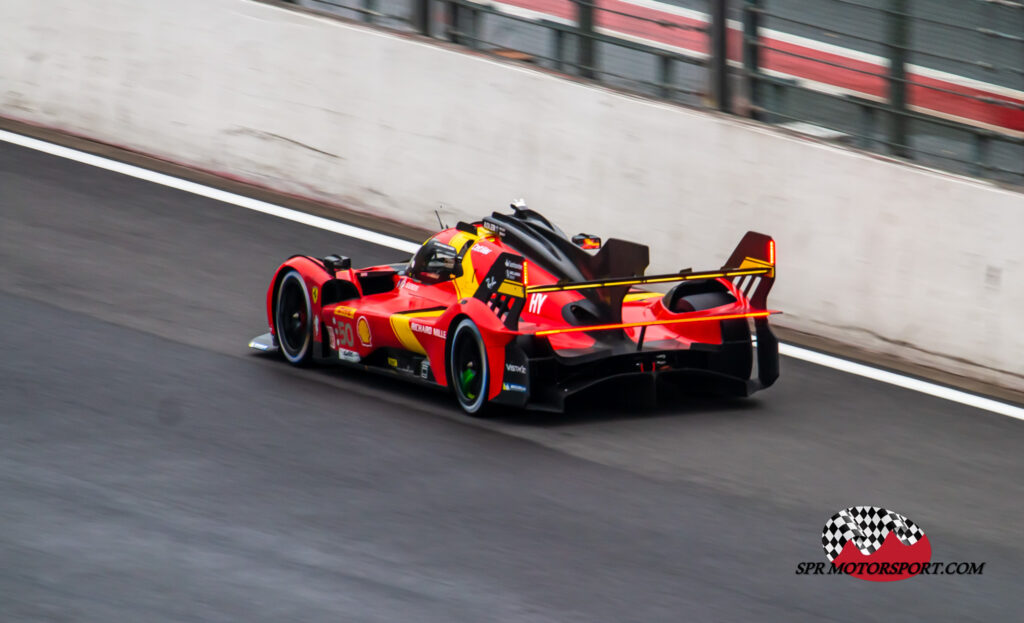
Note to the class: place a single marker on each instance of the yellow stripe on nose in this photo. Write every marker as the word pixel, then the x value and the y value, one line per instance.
pixel 400 324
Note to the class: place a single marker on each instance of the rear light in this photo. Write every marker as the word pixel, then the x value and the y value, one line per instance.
pixel 771 252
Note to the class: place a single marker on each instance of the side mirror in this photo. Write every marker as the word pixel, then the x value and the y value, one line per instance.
pixel 334 263
pixel 586 241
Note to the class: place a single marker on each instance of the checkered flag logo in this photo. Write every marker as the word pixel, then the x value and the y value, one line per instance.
pixel 867 527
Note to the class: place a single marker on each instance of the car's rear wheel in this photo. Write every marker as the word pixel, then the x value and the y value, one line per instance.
pixel 293 318
pixel 467 365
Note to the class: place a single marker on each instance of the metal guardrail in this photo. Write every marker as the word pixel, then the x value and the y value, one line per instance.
pixel 915 116
pixel 583 38
pixel 940 82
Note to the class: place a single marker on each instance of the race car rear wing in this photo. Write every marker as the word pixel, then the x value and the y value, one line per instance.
pixel 636 281
pixel 751 267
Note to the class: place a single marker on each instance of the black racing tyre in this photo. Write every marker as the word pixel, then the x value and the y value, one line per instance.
pixel 467 365
pixel 293 318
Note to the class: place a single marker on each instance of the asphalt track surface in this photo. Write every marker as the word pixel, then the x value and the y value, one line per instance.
pixel 151 469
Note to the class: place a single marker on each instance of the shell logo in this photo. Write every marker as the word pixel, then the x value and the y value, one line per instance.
pixel 363 330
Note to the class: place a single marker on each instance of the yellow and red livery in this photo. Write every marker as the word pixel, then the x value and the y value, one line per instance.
pixel 509 310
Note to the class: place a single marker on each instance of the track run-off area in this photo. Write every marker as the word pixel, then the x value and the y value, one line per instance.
pixel 151 468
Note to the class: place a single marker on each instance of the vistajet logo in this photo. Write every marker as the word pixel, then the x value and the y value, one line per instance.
pixel 879 545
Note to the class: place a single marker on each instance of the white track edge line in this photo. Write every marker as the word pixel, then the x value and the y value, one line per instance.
pixel 907 382
pixel 391 242
pixel 211 193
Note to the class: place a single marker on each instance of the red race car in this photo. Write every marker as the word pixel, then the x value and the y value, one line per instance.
pixel 509 310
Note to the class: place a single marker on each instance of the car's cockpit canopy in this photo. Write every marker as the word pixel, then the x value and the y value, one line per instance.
pixel 435 262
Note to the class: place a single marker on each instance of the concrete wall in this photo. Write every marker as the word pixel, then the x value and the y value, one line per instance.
pixel 902 260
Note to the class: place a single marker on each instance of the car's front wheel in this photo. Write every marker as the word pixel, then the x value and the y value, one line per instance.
pixel 293 318
pixel 467 365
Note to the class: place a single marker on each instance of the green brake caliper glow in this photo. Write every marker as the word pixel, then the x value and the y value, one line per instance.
pixel 465 379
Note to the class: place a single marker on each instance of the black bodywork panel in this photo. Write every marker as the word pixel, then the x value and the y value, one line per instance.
pixel 550 379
